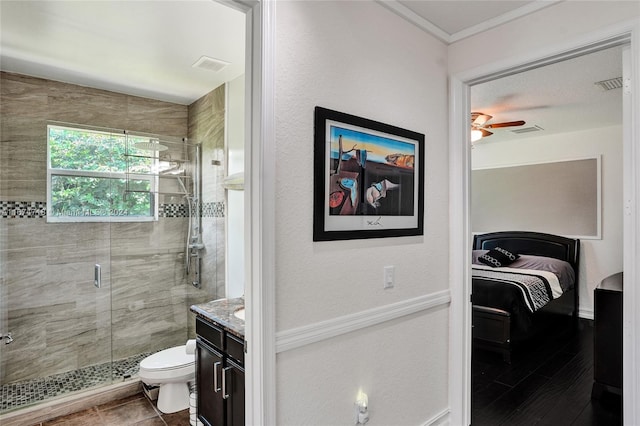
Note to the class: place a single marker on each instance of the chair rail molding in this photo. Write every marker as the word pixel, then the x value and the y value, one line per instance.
pixel 323 330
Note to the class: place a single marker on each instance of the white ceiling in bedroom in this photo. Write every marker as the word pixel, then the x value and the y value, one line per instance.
pixel 561 97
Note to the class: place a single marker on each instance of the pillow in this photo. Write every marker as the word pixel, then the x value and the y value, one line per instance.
pixel 475 254
pixel 498 257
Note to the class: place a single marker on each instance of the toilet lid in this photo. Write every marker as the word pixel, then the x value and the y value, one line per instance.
pixel 167 359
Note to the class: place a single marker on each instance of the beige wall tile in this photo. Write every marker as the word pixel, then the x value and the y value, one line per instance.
pixel 47 269
pixel 206 125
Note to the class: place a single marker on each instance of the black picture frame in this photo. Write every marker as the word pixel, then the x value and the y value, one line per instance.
pixel 368 178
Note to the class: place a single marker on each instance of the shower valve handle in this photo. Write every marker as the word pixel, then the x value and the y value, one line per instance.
pixel 7 337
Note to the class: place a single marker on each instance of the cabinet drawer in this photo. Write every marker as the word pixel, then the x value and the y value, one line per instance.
pixel 210 333
pixel 235 348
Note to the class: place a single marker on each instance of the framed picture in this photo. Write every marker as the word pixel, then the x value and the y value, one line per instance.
pixel 368 178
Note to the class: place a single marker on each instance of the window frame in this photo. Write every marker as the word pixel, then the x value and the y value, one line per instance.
pixel 125 175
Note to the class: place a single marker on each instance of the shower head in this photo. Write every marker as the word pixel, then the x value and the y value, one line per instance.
pixel 153 145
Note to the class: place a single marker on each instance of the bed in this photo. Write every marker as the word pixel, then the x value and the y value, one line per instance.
pixel 525 297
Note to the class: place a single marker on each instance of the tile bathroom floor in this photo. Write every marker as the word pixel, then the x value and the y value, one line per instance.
pixel 134 410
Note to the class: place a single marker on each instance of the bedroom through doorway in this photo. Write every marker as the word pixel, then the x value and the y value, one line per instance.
pixel 550 160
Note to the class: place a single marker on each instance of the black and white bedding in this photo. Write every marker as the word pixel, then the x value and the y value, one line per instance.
pixel 537 287
pixel 561 269
pixel 522 287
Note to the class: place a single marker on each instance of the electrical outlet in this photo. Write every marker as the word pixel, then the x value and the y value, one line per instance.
pixel 389 276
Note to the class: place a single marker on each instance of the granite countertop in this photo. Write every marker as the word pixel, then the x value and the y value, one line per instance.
pixel 220 312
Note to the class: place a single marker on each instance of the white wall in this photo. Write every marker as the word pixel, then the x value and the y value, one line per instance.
pixel 553 26
pixel 234 141
pixel 598 258
pixel 359 58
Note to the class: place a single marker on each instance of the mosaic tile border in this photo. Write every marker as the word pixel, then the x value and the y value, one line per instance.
pixel 28 392
pixel 173 210
pixel 38 209
pixel 213 209
pixel 23 209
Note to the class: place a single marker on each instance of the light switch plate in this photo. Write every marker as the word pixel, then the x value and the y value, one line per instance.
pixel 389 276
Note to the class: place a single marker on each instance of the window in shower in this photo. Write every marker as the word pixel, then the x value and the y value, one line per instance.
pixel 93 176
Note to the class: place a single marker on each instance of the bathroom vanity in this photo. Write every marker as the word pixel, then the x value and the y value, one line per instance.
pixel 220 353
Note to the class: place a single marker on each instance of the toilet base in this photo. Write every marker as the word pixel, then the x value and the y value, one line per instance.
pixel 173 397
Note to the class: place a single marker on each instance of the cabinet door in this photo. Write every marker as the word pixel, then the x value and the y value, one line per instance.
pixel 209 385
pixel 234 393
pixel 608 337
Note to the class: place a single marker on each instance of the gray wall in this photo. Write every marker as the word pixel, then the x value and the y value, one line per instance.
pixel 559 197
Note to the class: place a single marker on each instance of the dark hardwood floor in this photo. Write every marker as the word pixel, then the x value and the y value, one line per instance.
pixel 545 384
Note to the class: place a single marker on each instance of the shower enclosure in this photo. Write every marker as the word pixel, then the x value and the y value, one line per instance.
pixel 102 244
pixel 113 282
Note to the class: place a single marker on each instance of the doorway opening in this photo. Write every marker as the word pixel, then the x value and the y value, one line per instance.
pixel 555 168
pixel 460 241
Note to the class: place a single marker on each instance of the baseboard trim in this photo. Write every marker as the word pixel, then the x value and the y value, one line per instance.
pixel 70 404
pixel 586 313
pixel 323 330
pixel 443 418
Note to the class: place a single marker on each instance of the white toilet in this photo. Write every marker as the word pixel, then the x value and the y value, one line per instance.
pixel 172 369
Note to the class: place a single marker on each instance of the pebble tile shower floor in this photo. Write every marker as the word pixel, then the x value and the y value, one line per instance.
pixel 22 394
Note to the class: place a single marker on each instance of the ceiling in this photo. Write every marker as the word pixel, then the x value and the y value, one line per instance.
pixel 143 48
pixel 557 98
pixel 451 21
pixel 147 48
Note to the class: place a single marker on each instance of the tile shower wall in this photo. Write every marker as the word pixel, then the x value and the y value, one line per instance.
pixel 206 124
pixel 59 320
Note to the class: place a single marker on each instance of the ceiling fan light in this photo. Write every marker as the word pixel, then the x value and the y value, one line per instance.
pixel 476 135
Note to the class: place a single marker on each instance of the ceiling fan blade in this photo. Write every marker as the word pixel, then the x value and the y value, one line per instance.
pixel 505 124
pixel 478 118
pixel 485 132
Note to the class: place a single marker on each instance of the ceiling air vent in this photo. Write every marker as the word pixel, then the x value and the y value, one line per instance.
pixel 535 128
pixel 612 83
pixel 210 64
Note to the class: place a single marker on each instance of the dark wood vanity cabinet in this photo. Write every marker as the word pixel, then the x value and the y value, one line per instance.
pixel 219 376
pixel 607 354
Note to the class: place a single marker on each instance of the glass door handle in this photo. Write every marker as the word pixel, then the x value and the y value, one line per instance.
pixel 97 276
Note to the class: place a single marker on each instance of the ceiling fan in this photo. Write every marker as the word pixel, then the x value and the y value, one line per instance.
pixel 479 126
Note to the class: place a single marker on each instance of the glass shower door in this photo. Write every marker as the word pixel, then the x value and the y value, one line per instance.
pixel 148 258
pixel 55 300
pixel 60 322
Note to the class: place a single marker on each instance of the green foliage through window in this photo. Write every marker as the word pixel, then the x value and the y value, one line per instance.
pixel 89 176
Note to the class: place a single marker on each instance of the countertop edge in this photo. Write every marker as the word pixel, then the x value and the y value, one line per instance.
pixel 220 313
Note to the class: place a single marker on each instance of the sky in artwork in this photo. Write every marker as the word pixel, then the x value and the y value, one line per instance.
pixel 377 147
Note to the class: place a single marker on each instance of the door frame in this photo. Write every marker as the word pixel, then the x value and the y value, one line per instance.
pixel 259 221
pixel 459 209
